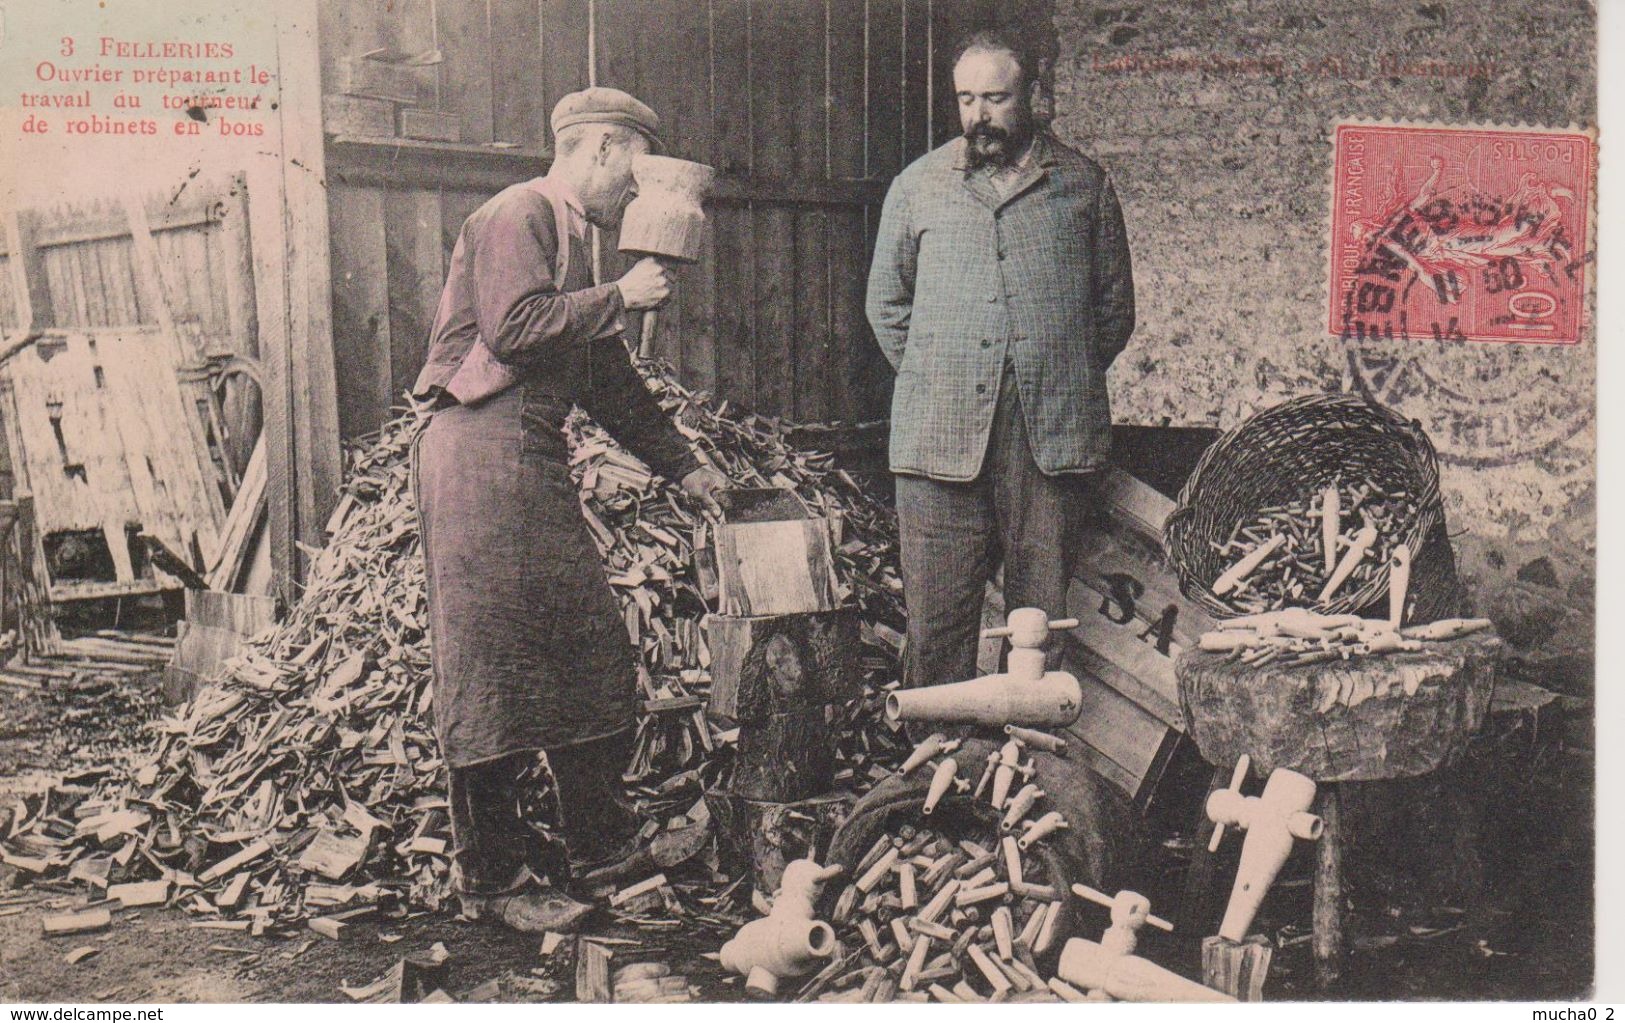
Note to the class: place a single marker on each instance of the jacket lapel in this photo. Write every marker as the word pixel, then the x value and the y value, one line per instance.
pixel 979 185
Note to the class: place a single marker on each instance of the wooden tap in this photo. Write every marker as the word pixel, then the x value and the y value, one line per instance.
pixel 1363 540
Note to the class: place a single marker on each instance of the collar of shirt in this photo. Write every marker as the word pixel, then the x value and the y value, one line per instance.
pixel 578 214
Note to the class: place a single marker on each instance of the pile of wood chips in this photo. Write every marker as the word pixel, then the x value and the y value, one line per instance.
pixel 305 786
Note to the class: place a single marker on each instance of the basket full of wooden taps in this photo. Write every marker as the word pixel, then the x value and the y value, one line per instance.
pixel 1316 503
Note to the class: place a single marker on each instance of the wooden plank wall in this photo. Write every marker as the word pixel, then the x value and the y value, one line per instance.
pixel 807 107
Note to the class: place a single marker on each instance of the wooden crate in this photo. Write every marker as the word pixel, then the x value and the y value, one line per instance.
pixel 1133 622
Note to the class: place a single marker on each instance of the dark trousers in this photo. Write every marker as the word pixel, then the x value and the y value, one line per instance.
pixel 495 849
pixel 954 536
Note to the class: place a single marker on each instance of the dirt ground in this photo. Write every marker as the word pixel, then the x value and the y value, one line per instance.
pixel 1436 917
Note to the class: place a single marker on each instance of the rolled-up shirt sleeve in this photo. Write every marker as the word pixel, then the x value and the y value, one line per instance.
pixel 619 398
pixel 521 313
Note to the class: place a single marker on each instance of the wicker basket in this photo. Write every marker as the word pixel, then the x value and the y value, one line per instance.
pixel 1295 449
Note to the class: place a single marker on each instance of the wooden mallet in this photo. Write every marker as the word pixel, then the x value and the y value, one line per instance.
pixel 667 218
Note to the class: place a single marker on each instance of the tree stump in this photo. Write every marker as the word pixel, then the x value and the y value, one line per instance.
pixel 762 837
pixel 774 664
pixel 1369 719
pixel 785 757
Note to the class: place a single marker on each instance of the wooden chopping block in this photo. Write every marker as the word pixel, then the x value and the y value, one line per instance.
pixel 785 757
pixel 762 837
pixel 1364 719
pixel 767 665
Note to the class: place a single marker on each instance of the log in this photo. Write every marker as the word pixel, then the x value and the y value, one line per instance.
pixel 786 757
pixel 761 837
pixel 1238 968
pixel 775 568
pixel 1366 719
pixel 769 665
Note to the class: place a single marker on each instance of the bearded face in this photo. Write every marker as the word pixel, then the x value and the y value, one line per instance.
pixel 995 107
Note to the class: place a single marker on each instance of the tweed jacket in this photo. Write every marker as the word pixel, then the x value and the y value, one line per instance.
pixel 965 279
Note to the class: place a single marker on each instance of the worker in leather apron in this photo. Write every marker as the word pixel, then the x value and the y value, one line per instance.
pixel 530 651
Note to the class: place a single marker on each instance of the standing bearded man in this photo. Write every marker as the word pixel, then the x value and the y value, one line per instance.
pixel 1000 292
pixel 529 645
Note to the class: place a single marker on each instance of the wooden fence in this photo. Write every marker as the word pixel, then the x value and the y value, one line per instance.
pixel 808 108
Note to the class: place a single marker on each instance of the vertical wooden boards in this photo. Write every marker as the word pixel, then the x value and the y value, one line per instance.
pixel 564 50
pixel 884 60
pixel 417 271
pixel 361 325
pixel 107 439
pixel 816 387
pixel 731 148
pixel 883 158
pixel 467 70
pixel 268 235
pixel 291 255
pixel 847 252
pixel 242 402
pixel 617 27
pixel 917 40
pixel 734 275
pixel 30 291
pixel 847 118
pixel 518 104
pixel 800 123
pixel 784 127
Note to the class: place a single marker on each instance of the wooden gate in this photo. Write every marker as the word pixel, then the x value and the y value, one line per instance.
pixel 129 394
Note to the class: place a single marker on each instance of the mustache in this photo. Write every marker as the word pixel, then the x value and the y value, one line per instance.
pixel 990 132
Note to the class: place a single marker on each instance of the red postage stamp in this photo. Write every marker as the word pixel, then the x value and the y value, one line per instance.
pixel 1459 233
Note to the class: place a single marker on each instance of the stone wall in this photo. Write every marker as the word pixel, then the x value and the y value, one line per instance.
pixel 1214 119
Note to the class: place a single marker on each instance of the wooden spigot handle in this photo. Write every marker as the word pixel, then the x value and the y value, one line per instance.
pixel 1237 776
pixel 1094 895
pixel 1099 897
pixel 1055 625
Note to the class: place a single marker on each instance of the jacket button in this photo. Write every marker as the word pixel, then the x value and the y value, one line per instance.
pixel 1001 253
pixel 986 342
pixel 981 388
pixel 993 296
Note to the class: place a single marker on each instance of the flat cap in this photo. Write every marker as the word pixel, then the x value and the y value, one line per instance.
pixel 600 105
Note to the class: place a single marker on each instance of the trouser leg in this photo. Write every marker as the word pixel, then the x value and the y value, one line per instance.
pixel 1037 515
pixel 946 533
pixel 594 815
pixel 490 842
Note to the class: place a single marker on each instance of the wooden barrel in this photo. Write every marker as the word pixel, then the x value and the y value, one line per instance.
pixel 1392 716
